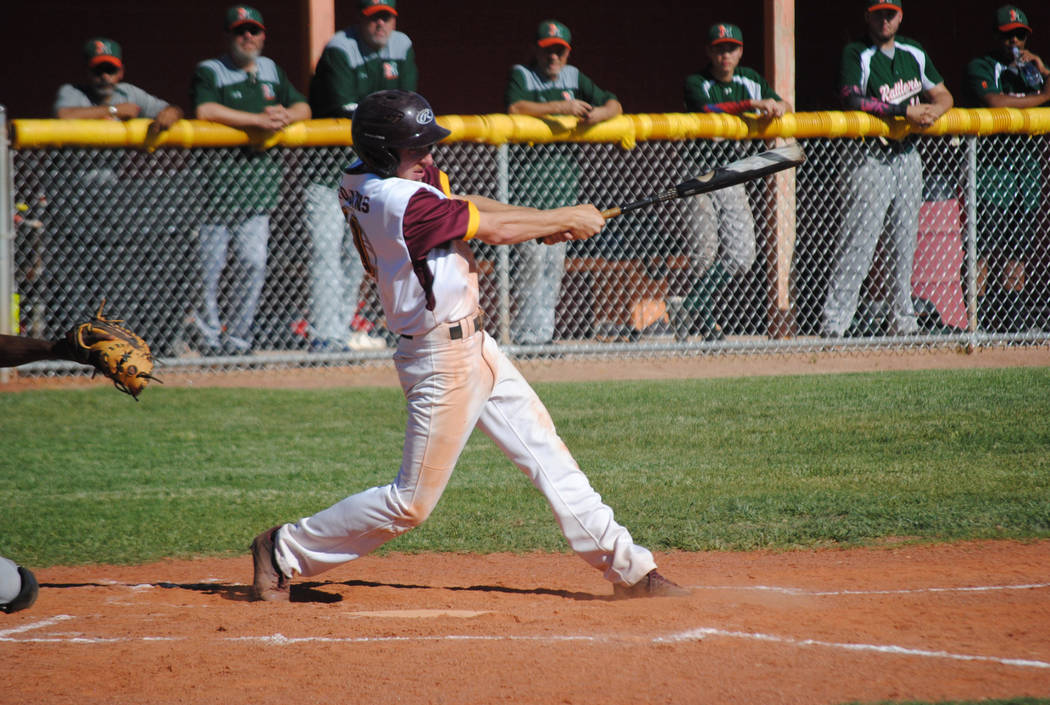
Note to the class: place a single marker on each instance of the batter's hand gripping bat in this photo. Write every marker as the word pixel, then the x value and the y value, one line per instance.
pixel 737 172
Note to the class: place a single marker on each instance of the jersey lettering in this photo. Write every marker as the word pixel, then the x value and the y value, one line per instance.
pixel 900 91
pixel 353 200
pixel 361 244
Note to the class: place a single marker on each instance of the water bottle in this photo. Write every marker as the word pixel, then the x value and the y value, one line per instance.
pixel 1029 72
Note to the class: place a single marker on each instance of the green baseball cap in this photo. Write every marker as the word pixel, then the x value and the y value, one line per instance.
pixel 1010 17
pixel 100 50
pixel 242 14
pixel 370 7
pixel 724 33
pixel 553 32
pixel 876 5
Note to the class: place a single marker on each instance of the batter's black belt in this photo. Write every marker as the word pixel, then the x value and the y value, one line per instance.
pixel 457 330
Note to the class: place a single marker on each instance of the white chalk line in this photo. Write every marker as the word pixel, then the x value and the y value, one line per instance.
pixel 838 593
pixel 691 635
pixel 4 633
pixel 699 634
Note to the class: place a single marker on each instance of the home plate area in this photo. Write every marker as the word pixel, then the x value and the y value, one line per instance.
pixel 962 621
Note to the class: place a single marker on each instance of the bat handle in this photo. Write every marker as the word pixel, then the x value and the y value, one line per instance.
pixel 611 212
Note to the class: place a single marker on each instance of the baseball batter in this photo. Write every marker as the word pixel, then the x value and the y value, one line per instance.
pixel 412 235
pixel 887 75
pixel 722 87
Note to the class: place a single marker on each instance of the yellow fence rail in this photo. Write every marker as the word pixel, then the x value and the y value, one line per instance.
pixel 495 129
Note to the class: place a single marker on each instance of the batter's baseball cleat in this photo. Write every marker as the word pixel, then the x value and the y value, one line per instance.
pixel 269 583
pixel 652 585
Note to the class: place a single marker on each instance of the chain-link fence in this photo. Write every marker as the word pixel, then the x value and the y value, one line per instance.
pixel 222 256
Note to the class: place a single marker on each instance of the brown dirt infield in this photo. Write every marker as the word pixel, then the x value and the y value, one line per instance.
pixel 906 622
pixel 947 622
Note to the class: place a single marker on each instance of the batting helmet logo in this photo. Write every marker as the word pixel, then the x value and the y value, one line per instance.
pixel 425 116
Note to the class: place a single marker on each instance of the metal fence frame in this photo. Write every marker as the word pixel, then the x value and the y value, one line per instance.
pixel 500 187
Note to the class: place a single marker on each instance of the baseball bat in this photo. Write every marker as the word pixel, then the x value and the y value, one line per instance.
pixel 731 174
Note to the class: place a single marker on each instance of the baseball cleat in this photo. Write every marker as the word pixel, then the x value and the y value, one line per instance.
pixel 652 585
pixel 269 584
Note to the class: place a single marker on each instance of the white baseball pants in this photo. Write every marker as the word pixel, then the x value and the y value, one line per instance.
pixel 451 386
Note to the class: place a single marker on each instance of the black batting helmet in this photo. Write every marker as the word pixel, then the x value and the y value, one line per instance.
pixel 387 121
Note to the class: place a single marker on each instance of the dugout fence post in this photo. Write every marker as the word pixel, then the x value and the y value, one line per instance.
pixel 503 253
pixel 971 233
pixel 8 303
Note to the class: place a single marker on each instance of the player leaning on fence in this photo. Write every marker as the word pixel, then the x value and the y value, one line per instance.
pixel 367 57
pixel 890 76
pixel 546 175
pixel 241 89
pixel 1009 175
pixel 722 227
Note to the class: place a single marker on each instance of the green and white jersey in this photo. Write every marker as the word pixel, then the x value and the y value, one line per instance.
pixel 348 70
pixel 220 81
pixel 702 89
pixel 899 79
pixel 526 83
pixel 987 75
pixel 246 181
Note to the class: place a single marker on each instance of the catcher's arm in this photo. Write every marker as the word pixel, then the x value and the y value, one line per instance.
pixel 16 350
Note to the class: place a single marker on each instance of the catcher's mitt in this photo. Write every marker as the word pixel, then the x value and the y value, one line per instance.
pixel 113 350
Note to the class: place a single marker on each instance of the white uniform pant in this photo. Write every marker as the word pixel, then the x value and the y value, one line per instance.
pixel 336 271
pixel 451 386
pixel 885 193
pixel 248 237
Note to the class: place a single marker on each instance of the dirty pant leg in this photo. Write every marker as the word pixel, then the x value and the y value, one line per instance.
pixel 518 422
pixel 871 189
pixel 247 274
pixel 537 288
pixel 446 384
pixel 336 271
pixel 903 227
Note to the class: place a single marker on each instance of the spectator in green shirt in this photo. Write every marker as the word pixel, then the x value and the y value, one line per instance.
pixel 246 90
pixel 545 176
pixel 722 226
pixel 1009 176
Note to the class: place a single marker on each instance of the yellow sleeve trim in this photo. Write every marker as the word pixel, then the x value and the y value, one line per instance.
pixel 474 223
pixel 445 187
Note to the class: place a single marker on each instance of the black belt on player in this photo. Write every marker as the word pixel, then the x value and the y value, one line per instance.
pixel 455 330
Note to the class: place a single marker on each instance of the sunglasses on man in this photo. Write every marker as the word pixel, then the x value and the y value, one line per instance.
pixel 105 69
pixel 1014 34
pixel 252 29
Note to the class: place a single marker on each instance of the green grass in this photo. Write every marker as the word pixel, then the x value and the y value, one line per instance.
pixel 777 462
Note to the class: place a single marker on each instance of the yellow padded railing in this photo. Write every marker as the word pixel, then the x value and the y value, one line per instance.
pixel 625 130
